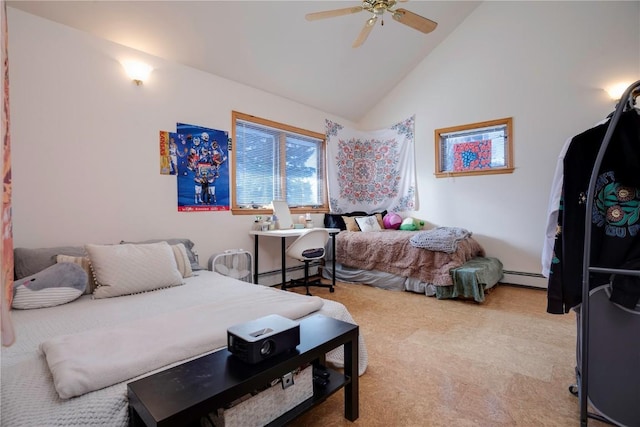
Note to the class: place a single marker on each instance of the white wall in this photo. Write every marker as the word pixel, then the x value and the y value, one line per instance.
pixel 542 63
pixel 85 142
pixel 85 139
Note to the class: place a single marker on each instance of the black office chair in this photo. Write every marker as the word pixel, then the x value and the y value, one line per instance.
pixel 306 248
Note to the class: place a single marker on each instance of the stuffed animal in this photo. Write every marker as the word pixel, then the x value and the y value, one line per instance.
pixel 58 284
pixel 408 224
pixel 392 221
pixel 411 224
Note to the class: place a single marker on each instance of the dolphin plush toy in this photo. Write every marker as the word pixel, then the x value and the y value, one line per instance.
pixel 59 284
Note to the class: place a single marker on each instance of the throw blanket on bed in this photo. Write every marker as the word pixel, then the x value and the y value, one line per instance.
pixel 444 239
pixel 91 360
pixel 391 251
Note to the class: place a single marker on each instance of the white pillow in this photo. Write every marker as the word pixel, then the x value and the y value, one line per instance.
pixel 132 268
pixel 83 262
pixel 368 223
pixel 182 260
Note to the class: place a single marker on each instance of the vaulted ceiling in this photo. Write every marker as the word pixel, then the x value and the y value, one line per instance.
pixel 269 45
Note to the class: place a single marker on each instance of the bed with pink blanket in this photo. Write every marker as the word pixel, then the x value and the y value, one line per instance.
pixel 417 261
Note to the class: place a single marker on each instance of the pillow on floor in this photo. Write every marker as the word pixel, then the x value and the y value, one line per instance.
pixel 130 268
pixel 58 284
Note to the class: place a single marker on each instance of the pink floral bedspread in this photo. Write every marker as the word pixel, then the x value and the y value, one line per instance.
pixel 390 251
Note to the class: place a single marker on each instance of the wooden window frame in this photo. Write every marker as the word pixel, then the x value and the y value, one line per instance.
pixel 471 131
pixel 238 209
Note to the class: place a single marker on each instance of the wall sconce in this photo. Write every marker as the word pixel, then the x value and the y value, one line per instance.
pixel 616 91
pixel 137 71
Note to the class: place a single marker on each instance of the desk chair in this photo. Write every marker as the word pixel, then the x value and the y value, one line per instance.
pixel 306 248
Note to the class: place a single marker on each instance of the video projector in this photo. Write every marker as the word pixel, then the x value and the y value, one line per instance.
pixel 262 338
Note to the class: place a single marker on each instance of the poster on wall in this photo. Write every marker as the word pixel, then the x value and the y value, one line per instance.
pixel 169 153
pixel 202 168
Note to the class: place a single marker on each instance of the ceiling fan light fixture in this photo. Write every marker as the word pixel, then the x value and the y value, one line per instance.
pixel 377 9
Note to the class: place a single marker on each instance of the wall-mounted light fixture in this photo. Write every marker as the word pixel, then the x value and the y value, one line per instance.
pixel 615 91
pixel 137 71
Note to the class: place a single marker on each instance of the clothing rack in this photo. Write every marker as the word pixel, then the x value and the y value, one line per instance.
pixel 626 102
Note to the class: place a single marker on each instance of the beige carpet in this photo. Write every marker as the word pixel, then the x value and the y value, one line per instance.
pixel 505 362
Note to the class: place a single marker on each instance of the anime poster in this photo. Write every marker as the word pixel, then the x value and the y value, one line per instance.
pixel 168 153
pixel 203 169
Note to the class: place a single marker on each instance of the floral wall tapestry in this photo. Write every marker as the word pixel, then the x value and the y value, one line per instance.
pixel 6 250
pixel 371 171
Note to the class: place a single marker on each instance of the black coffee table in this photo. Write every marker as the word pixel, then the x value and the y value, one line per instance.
pixel 181 395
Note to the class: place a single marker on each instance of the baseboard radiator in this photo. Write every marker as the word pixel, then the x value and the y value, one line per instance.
pixel 524 278
pixel 274 277
pixel 511 277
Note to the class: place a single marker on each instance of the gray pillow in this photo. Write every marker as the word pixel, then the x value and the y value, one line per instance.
pixel 31 261
pixel 188 244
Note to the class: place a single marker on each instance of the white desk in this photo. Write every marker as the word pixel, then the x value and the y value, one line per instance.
pixel 283 234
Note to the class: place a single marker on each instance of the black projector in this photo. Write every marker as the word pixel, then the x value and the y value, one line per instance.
pixel 260 339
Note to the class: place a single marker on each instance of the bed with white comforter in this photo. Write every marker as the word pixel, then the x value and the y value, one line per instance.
pixel 87 356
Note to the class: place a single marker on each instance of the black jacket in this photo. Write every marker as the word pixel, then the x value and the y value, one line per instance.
pixel 615 219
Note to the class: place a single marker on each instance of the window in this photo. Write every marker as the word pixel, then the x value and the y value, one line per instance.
pixel 274 161
pixel 475 149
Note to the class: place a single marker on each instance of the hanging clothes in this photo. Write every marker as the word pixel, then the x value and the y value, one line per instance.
pixel 553 207
pixel 615 218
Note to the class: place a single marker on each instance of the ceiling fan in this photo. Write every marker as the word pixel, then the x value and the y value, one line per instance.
pixel 377 8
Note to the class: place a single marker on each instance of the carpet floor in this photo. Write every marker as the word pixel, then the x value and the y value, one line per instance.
pixel 505 362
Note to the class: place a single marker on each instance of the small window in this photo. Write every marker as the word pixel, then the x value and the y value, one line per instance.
pixel 274 161
pixel 475 149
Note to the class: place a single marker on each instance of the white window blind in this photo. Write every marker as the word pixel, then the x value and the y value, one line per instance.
pixel 273 163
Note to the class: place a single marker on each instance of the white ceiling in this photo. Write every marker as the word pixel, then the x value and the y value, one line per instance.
pixel 269 45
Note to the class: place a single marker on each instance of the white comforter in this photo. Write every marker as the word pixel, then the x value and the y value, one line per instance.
pixel 28 394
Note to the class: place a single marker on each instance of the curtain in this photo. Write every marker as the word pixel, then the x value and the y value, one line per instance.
pixel 6 250
pixel 371 171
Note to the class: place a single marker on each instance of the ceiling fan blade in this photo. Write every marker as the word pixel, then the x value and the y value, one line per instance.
pixel 414 20
pixel 368 26
pixel 332 13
